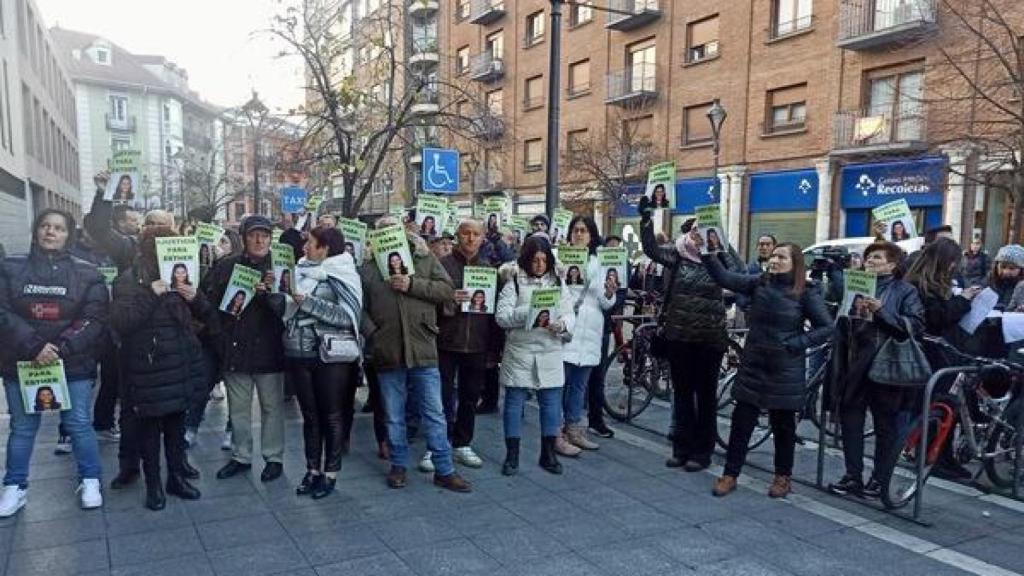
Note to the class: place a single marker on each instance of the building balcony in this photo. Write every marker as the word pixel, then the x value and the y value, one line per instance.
pixel 631 14
pixel 488 127
pixel 486 12
pixel 859 132
pixel 126 124
pixel 423 8
pixel 486 67
pixel 634 85
pixel 488 180
pixel 423 53
pixel 426 102
pixel 875 24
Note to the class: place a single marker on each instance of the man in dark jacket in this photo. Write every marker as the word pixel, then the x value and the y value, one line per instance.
pixel 463 344
pixel 400 317
pixel 251 353
pixel 976 265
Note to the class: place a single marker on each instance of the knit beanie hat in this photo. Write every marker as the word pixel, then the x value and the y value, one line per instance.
pixel 1011 254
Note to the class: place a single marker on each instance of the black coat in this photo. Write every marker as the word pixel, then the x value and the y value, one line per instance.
pixel 161 358
pixel 121 249
pixel 251 342
pixel 52 298
pixel 858 342
pixel 694 310
pixel 772 373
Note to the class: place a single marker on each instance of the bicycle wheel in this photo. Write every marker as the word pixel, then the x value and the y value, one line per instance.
pixel 1001 452
pixel 727 372
pixel 898 489
pixel 620 383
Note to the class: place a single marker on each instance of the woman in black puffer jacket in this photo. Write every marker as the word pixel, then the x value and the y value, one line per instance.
pixel 693 327
pixel 772 372
pixel 161 362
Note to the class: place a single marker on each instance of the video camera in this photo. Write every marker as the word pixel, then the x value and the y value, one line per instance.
pixel 828 257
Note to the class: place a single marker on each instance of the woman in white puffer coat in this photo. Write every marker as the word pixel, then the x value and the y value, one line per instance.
pixel 583 353
pixel 532 360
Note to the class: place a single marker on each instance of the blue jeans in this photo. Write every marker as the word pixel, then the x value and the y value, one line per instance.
pixel 421 386
pixel 515 404
pixel 576 378
pixel 77 423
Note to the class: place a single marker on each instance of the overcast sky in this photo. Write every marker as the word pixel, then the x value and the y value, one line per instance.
pixel 212 39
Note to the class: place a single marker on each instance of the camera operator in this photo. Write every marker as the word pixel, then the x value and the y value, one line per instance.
pixel 827 267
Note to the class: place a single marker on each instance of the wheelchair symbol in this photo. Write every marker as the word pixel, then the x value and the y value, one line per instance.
pixel 437 174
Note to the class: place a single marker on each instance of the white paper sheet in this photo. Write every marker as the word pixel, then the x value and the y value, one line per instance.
pixel 982 304
pixel 1013 327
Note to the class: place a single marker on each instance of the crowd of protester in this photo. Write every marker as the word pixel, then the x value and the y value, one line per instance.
pixel 160 352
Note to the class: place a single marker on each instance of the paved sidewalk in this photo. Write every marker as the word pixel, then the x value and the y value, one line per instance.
pixel 617 511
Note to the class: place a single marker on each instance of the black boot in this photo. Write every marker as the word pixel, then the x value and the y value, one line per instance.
pixel 125 477
pixel 548 459
pixel 511 465
pixel 155 499
pixel 178 486
pixel 189 471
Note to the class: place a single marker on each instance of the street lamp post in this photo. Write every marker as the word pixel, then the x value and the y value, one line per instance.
pixel 716 115
pixel 256 112
pixel 554 113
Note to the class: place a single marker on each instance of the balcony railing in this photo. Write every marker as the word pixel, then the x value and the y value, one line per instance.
pixel 426 102
pixel 488 180
pixel 631 14
pixel 126 124
pixel 873 24
pixel 486 11
pixel 637 83
pixel 856 132
pixel 424 51
pixel 485 67
pixel 423 7
pixel 489 126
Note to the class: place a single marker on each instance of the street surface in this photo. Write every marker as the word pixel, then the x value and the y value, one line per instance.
pixel 617 511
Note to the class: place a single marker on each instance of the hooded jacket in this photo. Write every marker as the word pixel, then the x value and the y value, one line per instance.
pixel 401 328
pixel 52 297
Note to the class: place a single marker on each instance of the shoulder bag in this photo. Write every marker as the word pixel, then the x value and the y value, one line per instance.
pixel 900 362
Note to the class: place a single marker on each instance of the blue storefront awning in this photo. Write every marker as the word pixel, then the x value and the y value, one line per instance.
pixel 921 182
pixel 689 194
pixel 787 191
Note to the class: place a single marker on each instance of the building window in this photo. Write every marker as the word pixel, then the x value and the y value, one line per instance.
pixel 576 142
pixel 494 105
pixel 702 40
pixel 119 108
pixel 787 109
pixel 894 110
pixel 640 60
pixel 581 13
pixel 462 10
pixel 533 157
pixel 534 28
pixel 103 56
pixel 696 127
pixel 533 93
pixel 790 16
pixel 462 60
pixel 120 143
pixel 495 45
pixel 167 113
pixel 579 77
pixel 239 211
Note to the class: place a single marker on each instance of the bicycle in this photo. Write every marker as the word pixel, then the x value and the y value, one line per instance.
pixel 989 409
pixel 633 376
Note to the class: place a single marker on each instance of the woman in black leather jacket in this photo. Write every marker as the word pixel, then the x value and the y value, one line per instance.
pixel 772 372
pixel 895 305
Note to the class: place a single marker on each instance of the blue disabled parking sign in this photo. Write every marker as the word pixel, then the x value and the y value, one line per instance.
pixel 440 170
pixel 293 199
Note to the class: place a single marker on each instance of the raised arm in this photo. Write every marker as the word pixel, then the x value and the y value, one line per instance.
pixel 98 223
pixel 739 283
pixel 666 256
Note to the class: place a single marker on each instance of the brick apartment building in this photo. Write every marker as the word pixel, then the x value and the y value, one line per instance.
pixel 826 99
pixel 278 167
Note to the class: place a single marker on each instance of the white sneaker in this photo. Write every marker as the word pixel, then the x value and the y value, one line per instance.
pixel 426 464
pixel 11 500
pixel 89 491
pixel 464 455
pixel 111 435
pixel 63 445
pixel 190 438
pixel 225 444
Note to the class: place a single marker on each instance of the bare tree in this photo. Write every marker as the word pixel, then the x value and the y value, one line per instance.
pixel 361 109
pixel 603 162
pixel 974 98
pixel 207 182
